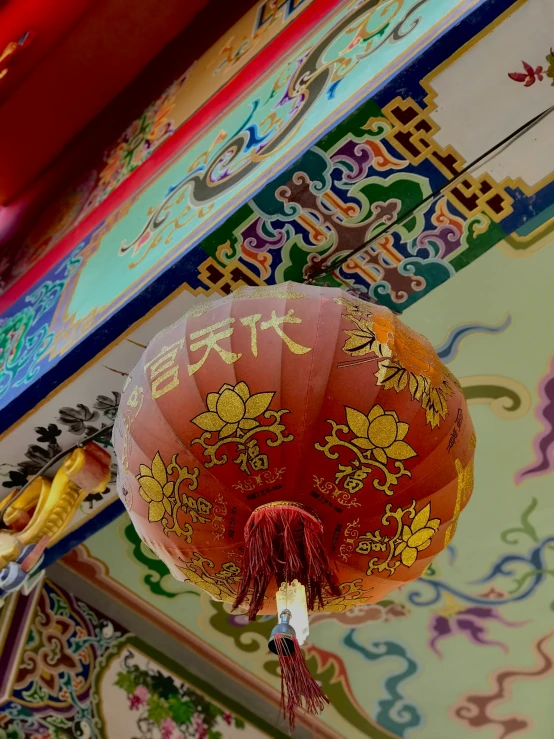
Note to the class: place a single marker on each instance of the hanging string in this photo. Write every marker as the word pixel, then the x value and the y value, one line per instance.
pixel 481 160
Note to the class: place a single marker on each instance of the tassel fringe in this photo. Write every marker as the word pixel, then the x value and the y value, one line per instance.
pixel 298 687
pixel 284 543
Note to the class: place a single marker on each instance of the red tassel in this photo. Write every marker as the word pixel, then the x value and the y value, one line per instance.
pixel 284 542
pixel 298 687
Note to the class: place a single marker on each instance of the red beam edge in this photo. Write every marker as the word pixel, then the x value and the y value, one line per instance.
pixel 294 33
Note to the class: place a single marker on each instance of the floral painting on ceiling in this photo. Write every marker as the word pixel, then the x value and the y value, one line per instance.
pixel 82 675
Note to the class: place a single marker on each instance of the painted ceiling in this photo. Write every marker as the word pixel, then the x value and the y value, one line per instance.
pixel 84 675
pixel 467 260
pixel 90 50
pixel 482 614
pixel 387 163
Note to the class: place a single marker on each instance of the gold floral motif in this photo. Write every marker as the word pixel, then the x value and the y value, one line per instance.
pixel 405 544
pixel 404 358
pixel 167 502
pixel 393 375
pixel 465 487
pixel 234 416
pixel 266 477
pixel 378 438
pixel 350 535
pixel 222 585
pixel 351 594
pixel 362 340
pixel 380 433
pixel 341 496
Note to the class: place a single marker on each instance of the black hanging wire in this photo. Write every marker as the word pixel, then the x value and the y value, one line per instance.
pixel 480 160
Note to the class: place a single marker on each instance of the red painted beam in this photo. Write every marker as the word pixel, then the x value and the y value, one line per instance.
pixel 192 129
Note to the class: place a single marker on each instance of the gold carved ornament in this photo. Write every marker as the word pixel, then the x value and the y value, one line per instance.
pixel 39 514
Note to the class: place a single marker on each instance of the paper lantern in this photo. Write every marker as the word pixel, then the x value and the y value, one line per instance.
pixel 294 433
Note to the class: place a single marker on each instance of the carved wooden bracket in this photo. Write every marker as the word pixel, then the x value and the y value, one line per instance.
pixel 38 518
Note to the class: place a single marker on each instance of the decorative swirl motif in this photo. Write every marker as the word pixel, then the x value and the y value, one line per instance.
pixel 20 348
pixel 341 496
pixel 351 533
pixel 526 528
pixel 56 670
pixel 470 622
pixel 158 574
pixel 536 573
pixel 266 477
pixel 236 158
pixel 394 712
pixel 543 443
pixel 358 615
pixel 507 398
pixel 474 707
pixel 448 350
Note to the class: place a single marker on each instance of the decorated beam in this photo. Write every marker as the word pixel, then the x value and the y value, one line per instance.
pixel 68 670
pixel 348 111
pixel 359 122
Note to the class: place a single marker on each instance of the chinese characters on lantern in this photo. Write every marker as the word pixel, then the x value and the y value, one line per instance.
pixel 164 370
pixel 455 430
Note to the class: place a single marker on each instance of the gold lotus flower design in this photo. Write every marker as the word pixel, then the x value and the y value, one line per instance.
pixel 222 584
pixel 416 537
pixel 362 340
pixel 233 409
pixel 404 358
pixel 156 489
pixel 380 433
pixel 433 399
pixel 167 502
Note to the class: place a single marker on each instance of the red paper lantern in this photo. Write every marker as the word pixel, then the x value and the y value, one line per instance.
pixel 294 432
